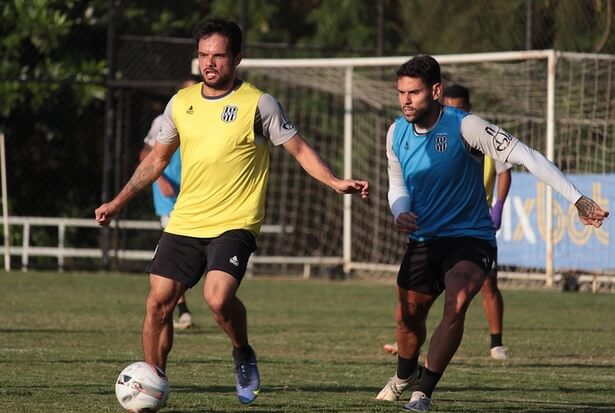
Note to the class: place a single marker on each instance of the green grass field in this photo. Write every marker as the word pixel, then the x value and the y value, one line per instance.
pixel 64 337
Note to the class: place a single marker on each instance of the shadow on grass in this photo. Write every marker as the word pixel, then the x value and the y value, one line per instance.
pixel 504 404
pixel 538 365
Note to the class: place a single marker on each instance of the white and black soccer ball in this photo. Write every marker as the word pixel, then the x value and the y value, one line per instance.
pixel 142 387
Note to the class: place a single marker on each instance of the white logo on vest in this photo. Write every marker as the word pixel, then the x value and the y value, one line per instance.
pixel 229 113
pixel 441 143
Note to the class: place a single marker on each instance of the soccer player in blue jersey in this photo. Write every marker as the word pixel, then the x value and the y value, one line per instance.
pixel 436 195
pixel 493 304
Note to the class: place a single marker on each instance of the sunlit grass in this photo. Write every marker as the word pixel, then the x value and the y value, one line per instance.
pixel 64 337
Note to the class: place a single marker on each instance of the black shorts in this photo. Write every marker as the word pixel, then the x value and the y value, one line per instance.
pixel 494 269
pixel 425 263
pixel 186 259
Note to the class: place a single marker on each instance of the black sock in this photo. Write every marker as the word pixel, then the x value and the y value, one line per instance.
pixel 429 380
pixel 183 308
pixel 243 353
pixel 405 367
pixel 496 340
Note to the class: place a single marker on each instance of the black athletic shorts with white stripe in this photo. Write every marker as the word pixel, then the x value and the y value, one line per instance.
pixel 187 259
pixel 425 263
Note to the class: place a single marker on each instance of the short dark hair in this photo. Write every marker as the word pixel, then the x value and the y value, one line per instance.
pixel 224 27
pixel 457 91
pixel 424 67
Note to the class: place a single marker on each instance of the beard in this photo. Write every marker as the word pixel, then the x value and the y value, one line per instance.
pixel 222 82
pixel 422 115
pixel 418 116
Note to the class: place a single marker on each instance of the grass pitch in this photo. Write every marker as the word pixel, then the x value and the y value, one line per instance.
pixel 64 337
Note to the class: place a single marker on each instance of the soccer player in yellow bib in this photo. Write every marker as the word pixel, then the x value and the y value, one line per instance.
pixel 224 125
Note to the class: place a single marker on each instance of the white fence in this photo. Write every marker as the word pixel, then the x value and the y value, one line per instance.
pixel 61 251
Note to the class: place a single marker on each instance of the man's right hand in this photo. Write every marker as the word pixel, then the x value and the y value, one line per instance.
pixel 590 212
pixel 406 221
pixel 105 213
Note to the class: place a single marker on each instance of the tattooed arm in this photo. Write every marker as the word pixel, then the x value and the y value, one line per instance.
pixel 500 145
pixel 149 169
pixel 589 212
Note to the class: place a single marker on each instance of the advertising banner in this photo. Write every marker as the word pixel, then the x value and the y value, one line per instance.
pixel 521 240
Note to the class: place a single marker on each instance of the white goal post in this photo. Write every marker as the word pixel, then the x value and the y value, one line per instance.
pixel 343 106
pixel 5 208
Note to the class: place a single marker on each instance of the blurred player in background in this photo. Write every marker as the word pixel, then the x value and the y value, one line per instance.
pixel 437 196
pixel 225 126
pixel 458 96
pixel 493 305
pixel 165 191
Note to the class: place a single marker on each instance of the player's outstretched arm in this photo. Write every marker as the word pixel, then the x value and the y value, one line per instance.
pixel 314 165
pixel 500 145
pixel 149 169
pixel 590 212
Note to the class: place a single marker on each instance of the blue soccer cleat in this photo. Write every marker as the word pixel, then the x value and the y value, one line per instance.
pixel 247 379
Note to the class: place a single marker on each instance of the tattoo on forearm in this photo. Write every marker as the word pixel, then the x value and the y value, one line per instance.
pixel 585 206
pixel 141 178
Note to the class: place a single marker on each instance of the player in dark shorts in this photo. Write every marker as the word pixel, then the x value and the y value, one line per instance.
pixel 437 197
pixel 226 126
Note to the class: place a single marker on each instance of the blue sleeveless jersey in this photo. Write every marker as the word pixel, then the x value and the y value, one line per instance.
pixel 163 205
pixel 444 180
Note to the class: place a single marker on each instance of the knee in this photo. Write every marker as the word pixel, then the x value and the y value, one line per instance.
pixel 157 311
pixel 455 306
pixel 410 316
pixel 218 306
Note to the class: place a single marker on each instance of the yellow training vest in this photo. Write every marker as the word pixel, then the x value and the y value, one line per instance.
pixel 489 178
pixel 224 172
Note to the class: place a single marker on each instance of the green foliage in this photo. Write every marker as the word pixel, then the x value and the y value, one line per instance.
pixel 578 25
pixel 160 17
pixel 344 24
pixel 458 26
pixel 53 66
pixel 36 36
pixel 261 13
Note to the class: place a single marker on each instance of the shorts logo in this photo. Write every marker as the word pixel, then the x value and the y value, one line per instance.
pixel 234 261
pixel 501 139
pixel 155 251
pixel 441 143
pixel 229 113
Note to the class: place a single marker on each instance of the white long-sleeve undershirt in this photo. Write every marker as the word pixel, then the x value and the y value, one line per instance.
pixel 493 142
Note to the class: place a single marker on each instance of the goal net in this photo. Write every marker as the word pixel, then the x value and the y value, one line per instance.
pixel 343 108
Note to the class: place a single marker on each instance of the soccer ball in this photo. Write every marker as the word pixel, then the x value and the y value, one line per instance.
pixel 142 387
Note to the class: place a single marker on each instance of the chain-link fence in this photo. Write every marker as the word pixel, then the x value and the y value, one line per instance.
pixel 74 132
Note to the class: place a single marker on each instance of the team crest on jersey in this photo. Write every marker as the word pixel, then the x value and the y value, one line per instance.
pixel 441 143
pixel 229 113
pixel 406 146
